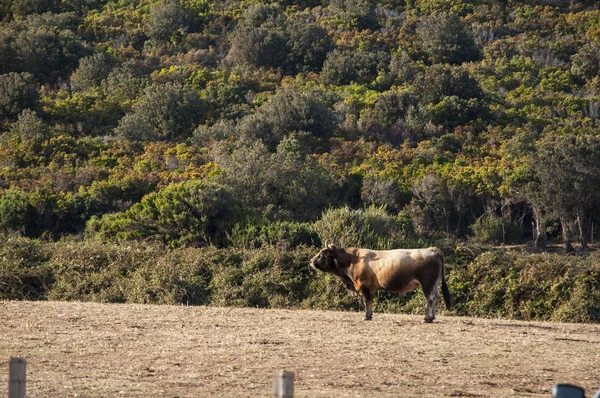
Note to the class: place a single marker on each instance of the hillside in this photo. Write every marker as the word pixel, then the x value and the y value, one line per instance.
pixel 193 122
pixel 95 350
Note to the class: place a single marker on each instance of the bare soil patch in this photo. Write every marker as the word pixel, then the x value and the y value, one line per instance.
pixel 102 350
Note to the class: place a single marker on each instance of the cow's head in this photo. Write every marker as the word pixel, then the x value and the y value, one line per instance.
pixel 326 259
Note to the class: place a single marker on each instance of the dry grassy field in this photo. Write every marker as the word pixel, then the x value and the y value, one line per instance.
pixel 100 350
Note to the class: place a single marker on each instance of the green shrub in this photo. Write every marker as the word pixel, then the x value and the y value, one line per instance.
pixel 24 272
pixel 189 213
pixel 265 277
pixel 528 286
pixel 371 227
pixel 177 277
pixel 496 230
pixel 16 213
pixel 283 234
pixel 96 272
pixel 482 284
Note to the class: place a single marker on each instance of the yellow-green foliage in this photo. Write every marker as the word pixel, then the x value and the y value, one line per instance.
pixel 529 286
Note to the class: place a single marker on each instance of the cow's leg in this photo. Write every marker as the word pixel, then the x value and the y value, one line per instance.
pixel 431 294
pixel 368 299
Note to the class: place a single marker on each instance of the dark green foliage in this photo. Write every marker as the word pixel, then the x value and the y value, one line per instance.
pixel 445 40
pixel 166 111
pixel 285 235
pixel 29 127
pixel 17 92
pixel 443 207
pixel 24 272
pixel 496 230
pixel 387 194
pixel 46 47
pixel 349 66
pixel 260 39
pixel 190 213
pixel 16 213
pixel 123 85
pixel 453 97
pixel 286 184
pixel 91 71
pixel 290 111
pixel 309 44
pixel 386 121
pixel 564 176
pixel 166 19
pixel 356 13
pixel 586 62
pixel 267 277
pixel 440 81
pixel 21 8
pixel 404 68
pixel 96 272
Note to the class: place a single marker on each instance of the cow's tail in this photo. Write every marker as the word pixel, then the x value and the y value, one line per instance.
pixel 445 290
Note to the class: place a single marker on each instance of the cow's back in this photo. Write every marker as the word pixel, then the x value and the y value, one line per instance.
pixel 397 270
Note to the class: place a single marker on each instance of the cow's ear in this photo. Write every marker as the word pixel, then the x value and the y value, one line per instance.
pixel 333 250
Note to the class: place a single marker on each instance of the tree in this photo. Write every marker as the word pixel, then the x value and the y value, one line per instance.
pixel 309 44
pixel 404 68
pixel 17 92
pixel 90 72
pixel 123 85
pixel 166 19
pixel 190 213
pixel 260 39
pixel 384 121
pixel 439 81
pixel 585 63
pixel 166 111
pixel 288 111
pixel 359 13
pixel 30 127
pixel 444 39
pixel 348 66
pixel 46 50
pixel 567 171
pixel 16 213
pixel 451 95
pixel 285 185
pixel 23 8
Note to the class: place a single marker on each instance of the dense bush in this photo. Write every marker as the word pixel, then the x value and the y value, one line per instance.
pixel 24 270
pixel 17 92
pixel 285 235
pixel 371 227
pixel 16 213
pixel 190 213
pixel 488 284
pixel 167 111
pixel 496 230
pixel 525 286
pixel 286 184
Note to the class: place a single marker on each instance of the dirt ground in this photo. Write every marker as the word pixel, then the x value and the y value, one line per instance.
pixel 102 350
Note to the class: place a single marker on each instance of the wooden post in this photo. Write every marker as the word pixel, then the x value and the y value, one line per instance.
pixel 283 385
pixel 16 381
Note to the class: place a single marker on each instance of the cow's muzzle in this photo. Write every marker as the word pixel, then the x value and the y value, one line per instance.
pixel 314 264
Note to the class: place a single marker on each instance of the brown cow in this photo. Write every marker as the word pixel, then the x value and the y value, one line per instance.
pixel 401 270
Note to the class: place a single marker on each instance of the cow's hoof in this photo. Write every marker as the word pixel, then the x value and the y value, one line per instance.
pixel 368 318
pixel 428 320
